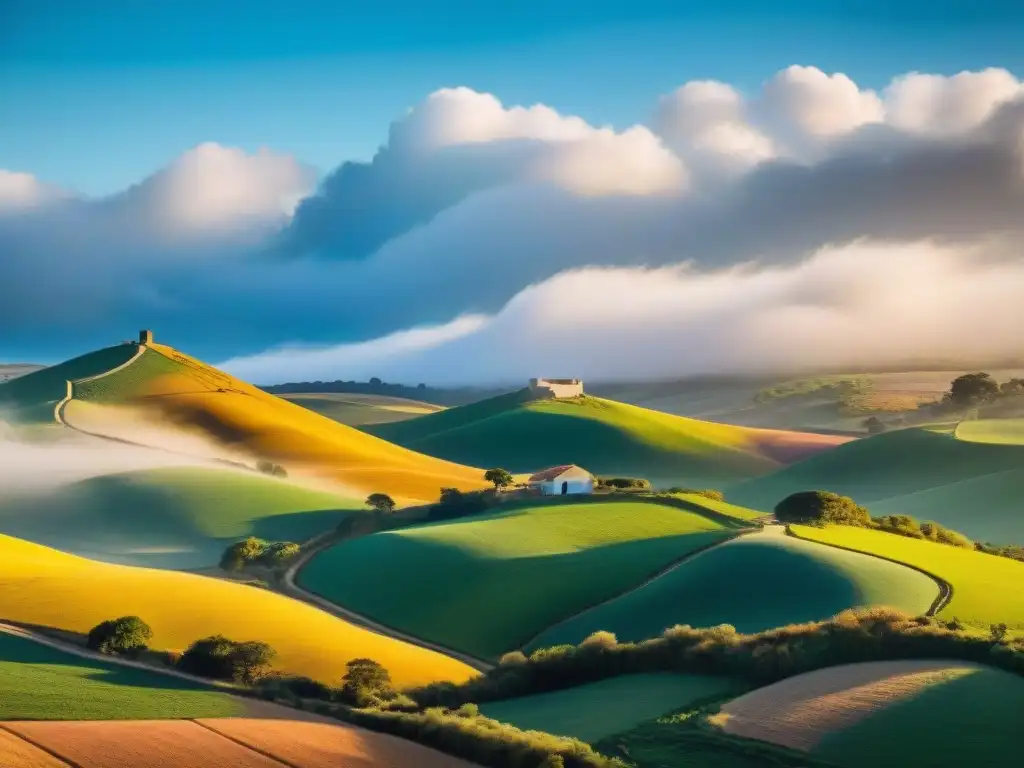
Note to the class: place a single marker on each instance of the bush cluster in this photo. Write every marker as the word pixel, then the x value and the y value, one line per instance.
pixel 219 658
pixel 254 551
pixel 851 636
pixel 455 503
pixel 624 483
pixel 707 493
pixel 464 733
pixel 270 468
pixel 126 636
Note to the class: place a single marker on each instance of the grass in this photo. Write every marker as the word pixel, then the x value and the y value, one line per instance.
pixel 606 437
pixel 485 585
pixel 179 517
pixel 992 431
pixel 44 587
pixel 967 719
pixel 42 683
pixel 358 409
pixel 986 588
pixel 755 582
pixel 597 710
pixel 174 387
pixel 886 469
pixel 32 398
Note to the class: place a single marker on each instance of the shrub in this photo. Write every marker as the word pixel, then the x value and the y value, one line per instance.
pixel 276 686
pixel 454 504
pixel 219 658
pixel 270 468
pixel 707 493
pixel 821 507
pixel 279 552
pixel 365 683
pixel 874 425
pixel 381 502
pixel 126 636
pixel 624 483
pixel 241 553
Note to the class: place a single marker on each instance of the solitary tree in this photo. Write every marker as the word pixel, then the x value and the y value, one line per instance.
pixel 364 681
pixel 381 502
pixel 973 389
pixel 126 636
pixel 819 507
pixel 874 425
pixel 241 553
pixel 501 478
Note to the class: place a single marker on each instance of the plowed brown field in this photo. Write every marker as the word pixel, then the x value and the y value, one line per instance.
pixel 801 711
pixel 253 742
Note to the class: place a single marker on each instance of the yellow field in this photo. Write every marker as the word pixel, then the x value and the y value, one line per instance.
pixel 174 387
pixel 986 588
pixel 42 586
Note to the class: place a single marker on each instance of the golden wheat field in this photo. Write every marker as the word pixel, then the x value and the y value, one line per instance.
pixel 46 587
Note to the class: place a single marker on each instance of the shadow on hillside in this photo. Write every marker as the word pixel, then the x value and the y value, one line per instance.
pixel 460 596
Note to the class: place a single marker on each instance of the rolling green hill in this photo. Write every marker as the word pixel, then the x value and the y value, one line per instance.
pixel 883 471
pixel 32 398
pixel 176 518
pixel 616 704
pixel 358 409
pixel 755 582
pixel 522 434
pixel 993 431
pixel 485 585
pixel 41 683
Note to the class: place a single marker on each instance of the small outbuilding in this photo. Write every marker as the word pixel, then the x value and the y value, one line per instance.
pixel 563 480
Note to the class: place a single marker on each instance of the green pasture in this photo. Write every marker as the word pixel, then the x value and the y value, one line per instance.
pixel 756 582
pixel 486 585
pixel 175 518
pixel 42 683
pixel 992 431
pixel 616 704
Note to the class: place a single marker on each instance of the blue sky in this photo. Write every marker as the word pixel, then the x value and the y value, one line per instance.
pixel 96 94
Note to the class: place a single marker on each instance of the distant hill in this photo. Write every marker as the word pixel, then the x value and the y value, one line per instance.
pixel 522 433
pixel 357 410
pixel 123 391
pixel 422 393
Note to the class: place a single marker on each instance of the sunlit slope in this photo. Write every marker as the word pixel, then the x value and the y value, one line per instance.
pixel 33 397
pixel 755 582
pixel 993 431
pixel 359 409
pixel 886 467
pixel 987 589
pixel 42 586
pixel 40 683
pixel 606 437
pixel 485 585
pixel 190 393
pixel 180 517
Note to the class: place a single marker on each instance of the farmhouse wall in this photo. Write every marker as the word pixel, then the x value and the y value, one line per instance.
pixel 557 387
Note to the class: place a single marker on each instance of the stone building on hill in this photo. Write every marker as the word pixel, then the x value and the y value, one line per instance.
pixel 553 388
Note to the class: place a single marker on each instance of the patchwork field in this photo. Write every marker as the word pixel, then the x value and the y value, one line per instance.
pixel 985 587
pixel 356 409
pixel 881 471
pixel 45 587
pixel 179 517
pixel 756 582
pixel 921 713
pixel 596 710
pixel 41 683
pixel 606 437
pixel 486 585
pixel 174 388
pixel 219 743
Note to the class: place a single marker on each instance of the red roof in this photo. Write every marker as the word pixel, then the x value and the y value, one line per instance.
pixel 552 472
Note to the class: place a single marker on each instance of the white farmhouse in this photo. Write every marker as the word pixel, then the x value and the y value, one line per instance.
pixel 563 480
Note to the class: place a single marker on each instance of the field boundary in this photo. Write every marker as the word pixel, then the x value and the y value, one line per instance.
pixel 290 588
pixel 42 748
pixel 945 588
pixel 243 745
pixel 685 559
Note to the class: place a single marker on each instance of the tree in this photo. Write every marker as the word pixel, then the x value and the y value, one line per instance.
pixel 1012 388
pixel 381 502
pixel 501 478
pixel 998 632
pixel 874 425
pixel 219 658
pixel 972 389
pixel 365 680
pixel 270 468
pixel 375 382
pixel 820 507
pixel 126 636
pixel 280 552
pixel 241 553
